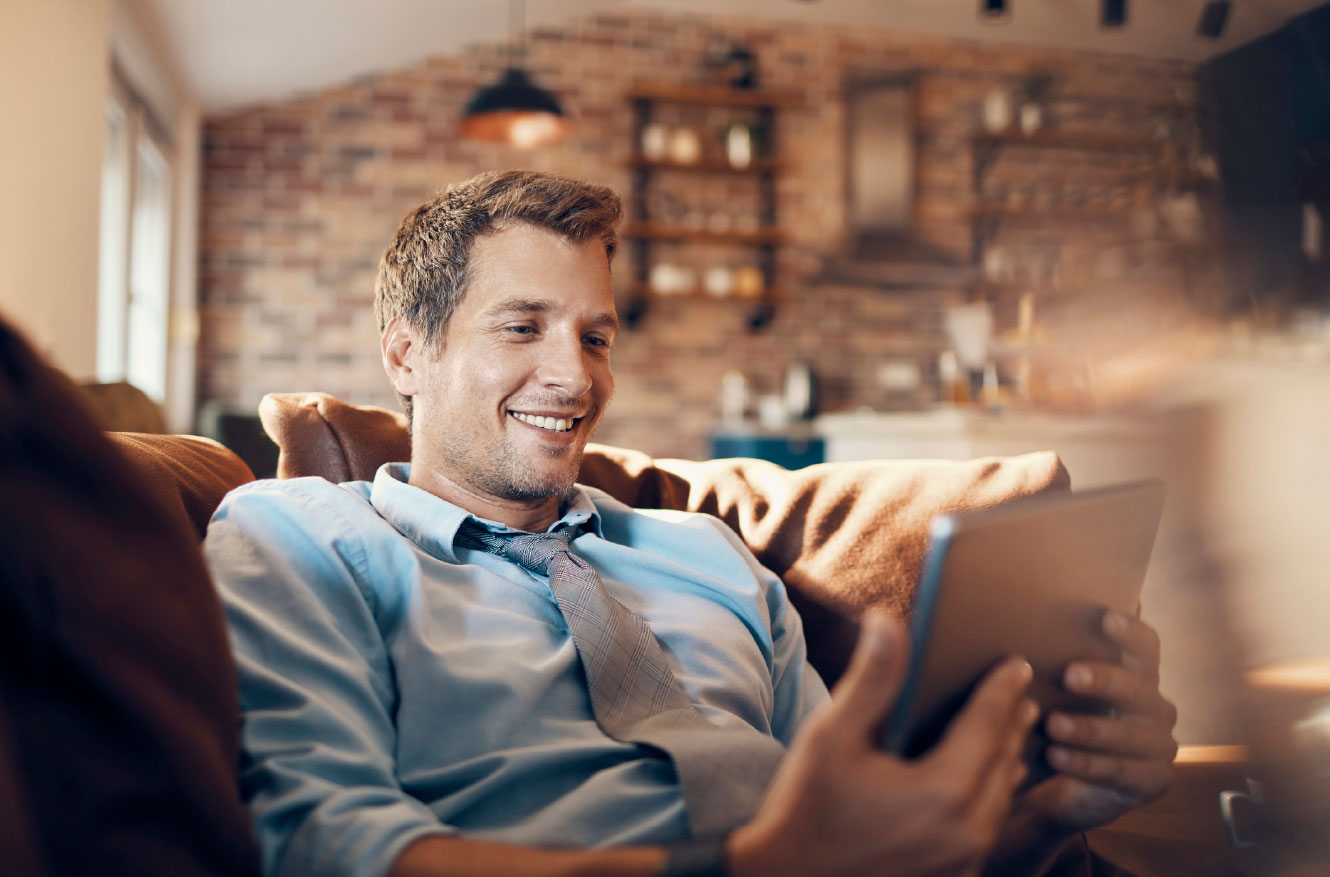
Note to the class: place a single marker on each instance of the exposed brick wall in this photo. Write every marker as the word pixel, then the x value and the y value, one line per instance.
pixel 301 197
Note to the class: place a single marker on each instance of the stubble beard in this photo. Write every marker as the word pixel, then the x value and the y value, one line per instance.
pixel 504 472
pixel 515 482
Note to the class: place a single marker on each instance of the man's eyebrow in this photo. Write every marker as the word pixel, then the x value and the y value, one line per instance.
pixel 517 306
pixel 608 320
pixel 534 306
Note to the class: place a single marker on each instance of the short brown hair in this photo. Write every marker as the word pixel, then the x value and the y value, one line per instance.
pixel 423 273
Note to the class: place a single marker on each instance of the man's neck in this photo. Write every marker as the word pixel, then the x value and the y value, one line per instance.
pixel 533 516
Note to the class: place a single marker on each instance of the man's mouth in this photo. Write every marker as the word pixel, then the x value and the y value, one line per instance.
pixel 553 424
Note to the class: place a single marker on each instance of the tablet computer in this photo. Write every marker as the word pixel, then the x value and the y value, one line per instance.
pixel 1032 578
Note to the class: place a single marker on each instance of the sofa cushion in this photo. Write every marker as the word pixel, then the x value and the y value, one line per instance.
pixel 843 536
pixel 118 710
pixel 318 434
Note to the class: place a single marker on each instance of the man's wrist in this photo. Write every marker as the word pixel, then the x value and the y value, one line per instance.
pixel 1028 843
pixel 697 858
pixel 747 853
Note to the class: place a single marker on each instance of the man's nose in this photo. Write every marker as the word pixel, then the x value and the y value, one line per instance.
pixel 564 366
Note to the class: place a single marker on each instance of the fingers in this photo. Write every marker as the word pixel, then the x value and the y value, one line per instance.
pixel 1008 770
pixel 1130 752
pixel 1138 641
pixel 1142 779
pixel 978 763
pixel 993 720
pixel 1126 691
pixel 1129 736
pixel 871 683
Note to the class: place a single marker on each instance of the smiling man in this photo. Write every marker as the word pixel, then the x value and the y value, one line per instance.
pixel 504 407
pixel 473 665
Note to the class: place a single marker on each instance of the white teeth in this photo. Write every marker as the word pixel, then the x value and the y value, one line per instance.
pixel 550 423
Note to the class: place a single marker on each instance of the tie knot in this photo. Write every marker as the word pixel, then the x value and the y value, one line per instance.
pixel 532 551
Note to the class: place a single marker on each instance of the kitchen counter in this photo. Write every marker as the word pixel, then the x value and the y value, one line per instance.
pixel 1095 449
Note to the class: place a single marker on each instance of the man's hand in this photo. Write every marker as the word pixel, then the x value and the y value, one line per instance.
pixel 1109 764
pixel 839 805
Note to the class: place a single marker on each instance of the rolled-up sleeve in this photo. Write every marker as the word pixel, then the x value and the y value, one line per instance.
pixel 316 685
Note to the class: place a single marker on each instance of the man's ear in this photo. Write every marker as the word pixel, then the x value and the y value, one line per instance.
pixel 402 351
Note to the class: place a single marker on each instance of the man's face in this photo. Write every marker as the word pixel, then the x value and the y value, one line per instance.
pixel 506 407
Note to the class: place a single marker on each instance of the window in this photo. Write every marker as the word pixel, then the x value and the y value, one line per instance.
pixel 134 263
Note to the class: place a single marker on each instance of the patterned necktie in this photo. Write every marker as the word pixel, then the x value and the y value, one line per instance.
pixel 636 699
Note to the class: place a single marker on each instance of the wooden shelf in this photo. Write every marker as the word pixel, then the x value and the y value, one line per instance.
pixel 1045 291
pixel 661 231
pixel 705 165
pixel 1043 212
pixel 713 95
pixel 1085 141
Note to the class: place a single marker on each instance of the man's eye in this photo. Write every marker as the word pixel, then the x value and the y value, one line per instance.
pixel 521 330
pixel 596 341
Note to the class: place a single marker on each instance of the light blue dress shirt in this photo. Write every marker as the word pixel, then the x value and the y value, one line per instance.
pixel 395 686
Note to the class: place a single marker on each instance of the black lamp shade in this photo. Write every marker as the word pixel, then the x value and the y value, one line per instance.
pixel 514 110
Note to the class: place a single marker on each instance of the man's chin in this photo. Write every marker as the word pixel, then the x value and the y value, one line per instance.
pixel 532 485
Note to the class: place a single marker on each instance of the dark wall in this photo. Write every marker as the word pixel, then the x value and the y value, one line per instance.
pixel 1266 106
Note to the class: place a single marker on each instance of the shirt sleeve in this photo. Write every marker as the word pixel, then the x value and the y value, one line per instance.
pixel 797 688
pixel 317 695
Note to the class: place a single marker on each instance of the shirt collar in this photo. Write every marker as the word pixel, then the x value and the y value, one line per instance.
pixel 432 522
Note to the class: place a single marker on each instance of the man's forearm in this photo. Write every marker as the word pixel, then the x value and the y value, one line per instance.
pixel 439 856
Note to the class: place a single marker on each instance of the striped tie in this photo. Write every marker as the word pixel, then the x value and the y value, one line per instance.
pixel 634 695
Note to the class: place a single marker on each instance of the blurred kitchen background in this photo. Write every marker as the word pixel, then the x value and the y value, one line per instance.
pixel 856 229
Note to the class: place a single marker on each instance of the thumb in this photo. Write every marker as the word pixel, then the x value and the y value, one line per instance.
pixel 872 681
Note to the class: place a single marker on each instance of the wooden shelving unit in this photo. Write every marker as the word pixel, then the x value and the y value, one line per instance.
pixel 1046 212
pixel 988 214
pixel 644 231
pixel 1081 141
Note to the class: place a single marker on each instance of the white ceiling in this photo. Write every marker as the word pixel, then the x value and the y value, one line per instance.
pixel 236 52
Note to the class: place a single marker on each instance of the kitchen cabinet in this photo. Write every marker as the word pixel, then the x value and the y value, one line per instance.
pixel 793 450
pixel 1039 201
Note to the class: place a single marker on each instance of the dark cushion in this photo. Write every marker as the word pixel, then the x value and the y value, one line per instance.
pixel 118 708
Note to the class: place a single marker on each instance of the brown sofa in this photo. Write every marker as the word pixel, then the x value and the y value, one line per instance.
pixel 118 736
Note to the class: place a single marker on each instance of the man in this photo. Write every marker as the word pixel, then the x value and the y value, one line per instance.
pixel 422 697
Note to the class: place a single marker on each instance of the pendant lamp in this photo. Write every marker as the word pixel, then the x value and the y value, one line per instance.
pixel 515 110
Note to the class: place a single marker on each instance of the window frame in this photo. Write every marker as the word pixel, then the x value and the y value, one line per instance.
pixel 132 129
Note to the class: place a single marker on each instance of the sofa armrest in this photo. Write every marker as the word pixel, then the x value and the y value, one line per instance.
pixel 191 473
